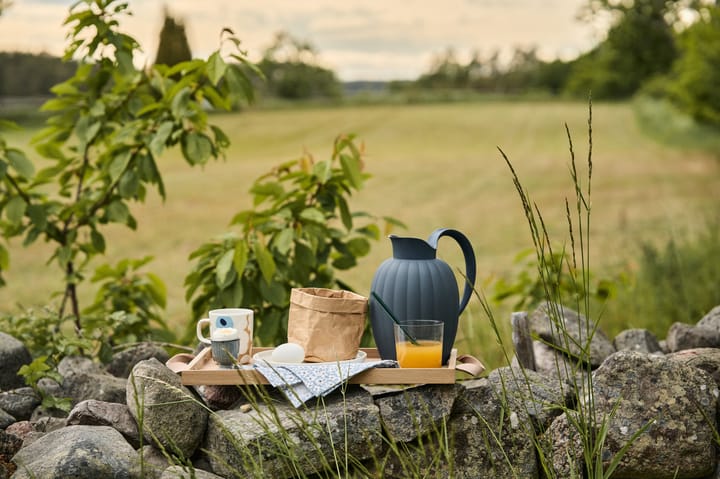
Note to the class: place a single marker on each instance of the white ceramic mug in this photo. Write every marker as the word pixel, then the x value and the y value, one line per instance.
pixel 238 318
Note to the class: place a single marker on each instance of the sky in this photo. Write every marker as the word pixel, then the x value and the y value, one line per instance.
pixel 358 39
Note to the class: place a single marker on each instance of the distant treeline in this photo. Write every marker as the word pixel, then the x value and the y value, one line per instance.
pixel 648 49
pixel 27 74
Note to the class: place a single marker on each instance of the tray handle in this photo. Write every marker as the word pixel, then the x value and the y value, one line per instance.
pixel 469 364
pixel 180 362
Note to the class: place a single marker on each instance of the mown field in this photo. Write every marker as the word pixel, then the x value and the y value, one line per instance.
pixel 432 165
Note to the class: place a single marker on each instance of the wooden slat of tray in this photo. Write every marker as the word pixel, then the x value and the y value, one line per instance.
pixel 204 371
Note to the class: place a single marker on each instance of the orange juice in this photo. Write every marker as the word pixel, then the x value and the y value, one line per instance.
pixel 425 354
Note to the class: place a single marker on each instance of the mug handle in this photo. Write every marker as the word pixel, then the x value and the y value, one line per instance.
pixel 198 329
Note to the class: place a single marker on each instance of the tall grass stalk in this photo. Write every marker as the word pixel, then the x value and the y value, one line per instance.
pixel 589 427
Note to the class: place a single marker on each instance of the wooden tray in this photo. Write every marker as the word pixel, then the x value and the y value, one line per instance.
pixel 202 370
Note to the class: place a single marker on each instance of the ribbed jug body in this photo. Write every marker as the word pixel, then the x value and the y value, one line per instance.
pixel 413 289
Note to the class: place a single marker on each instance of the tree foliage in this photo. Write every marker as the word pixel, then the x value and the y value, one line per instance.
pixel 109 126
pixel 693 85
pixel 524 72
pixel 173 46
pixel 300 230
pixel 29 74
pixel 638 47
pixel 292 72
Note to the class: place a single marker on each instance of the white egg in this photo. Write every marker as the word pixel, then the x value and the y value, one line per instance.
pixel 288 353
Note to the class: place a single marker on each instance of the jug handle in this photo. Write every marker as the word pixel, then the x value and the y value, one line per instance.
pixel 468 253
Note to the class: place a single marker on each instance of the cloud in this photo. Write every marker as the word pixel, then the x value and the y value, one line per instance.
pixel 359 38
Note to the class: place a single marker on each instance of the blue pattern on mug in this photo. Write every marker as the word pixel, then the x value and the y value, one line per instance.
pixel 224 322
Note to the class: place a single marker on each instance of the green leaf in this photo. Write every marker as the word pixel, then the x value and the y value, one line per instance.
pixel 15 209
pixel 196 148
pixel 157 144
pixel 118 212
pixel 313 215
pixel 323 170
pixel 157 289
pixel 20 163
pixel 229 297
pixel 4 258
pixel 268 188
pixel 129 185
pixel 359 246
pixel 345 215
pixel 275 293
pixel 221 139
pixel 265 260
pixel 351 168
pixel 119 164
pixel 125 64
pixel 283 240
pixel 98 241
pixel 344 262
pixel 216 68
pixel 304 255
pixel 179 102
pixel 224 269
pixel 240 257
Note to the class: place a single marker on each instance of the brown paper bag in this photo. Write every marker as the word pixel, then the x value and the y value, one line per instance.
pixel 329 324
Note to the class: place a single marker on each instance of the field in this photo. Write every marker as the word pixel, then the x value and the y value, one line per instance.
pixel 433 165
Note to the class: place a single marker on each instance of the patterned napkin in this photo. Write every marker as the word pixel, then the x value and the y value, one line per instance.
pixel 300 382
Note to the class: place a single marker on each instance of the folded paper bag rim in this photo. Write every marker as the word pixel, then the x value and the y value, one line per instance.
pixel 329 300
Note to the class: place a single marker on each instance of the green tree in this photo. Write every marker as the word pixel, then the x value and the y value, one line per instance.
pixel 292 71
pixel 110 124
pixel 639 46
pixel 445 72
pixel 173 46
pixel 693 84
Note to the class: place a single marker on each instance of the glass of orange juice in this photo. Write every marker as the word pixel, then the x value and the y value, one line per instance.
pixel 418 343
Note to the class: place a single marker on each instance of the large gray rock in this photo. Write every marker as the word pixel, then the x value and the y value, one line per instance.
pixel 13 356
pixel 100 413
pixel 682 336
pixel 491 437
pixel 671 400
pixel 170 414
pixel 20 402
pixel 184 472
pixel 6 419
pixel 711 319
pixel 571 332
pixel 85 379
pixel 154 462
pixel 308 439
pixel 78 452
pixel 416 411
pixel 78 364
pixel 123 362
pixel 707 359
pixel 543 396
pixel 102 387
pixel 638 340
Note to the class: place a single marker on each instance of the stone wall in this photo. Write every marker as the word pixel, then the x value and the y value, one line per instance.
pixel 133 418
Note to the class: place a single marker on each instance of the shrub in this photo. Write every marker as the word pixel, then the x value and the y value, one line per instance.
pixel 299 232
pixel 674 282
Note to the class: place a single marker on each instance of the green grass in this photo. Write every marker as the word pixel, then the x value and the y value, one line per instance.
pixel 433 166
